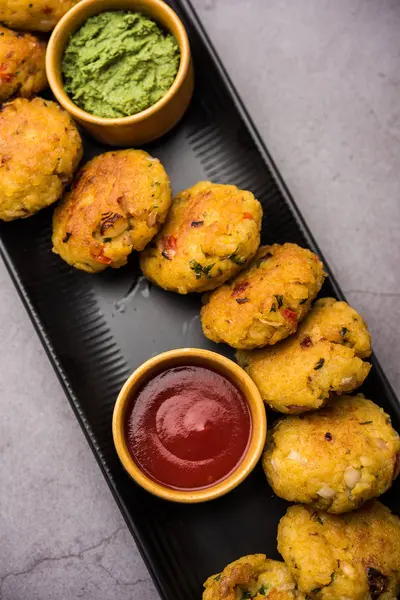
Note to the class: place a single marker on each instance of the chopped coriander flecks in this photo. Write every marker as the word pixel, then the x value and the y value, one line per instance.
pixel 207 269
pixel 319 364
pixel 365 422
pixel 263 589
pixel 217 577
pixel 245 595
pixel 273 308
pixel 238 260
pixel 279 299
pixel 343 331
pixel 320 520
pixel 304 300
pixel 105 240
pixel 199 269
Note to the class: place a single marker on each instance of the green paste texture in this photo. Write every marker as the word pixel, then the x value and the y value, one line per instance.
pixel 119 63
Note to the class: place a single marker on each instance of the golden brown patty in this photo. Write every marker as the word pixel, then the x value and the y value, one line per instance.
pixel 264 303
pixel 38 15
pixel 335 458
pixel 253 576
pixel 40 148
pixel 355 556
pixel 211 232
pixel 118 203
pixel 22 64
pixel 325 356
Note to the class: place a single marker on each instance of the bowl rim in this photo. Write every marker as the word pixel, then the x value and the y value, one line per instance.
pixel 239 378
pixel 53 66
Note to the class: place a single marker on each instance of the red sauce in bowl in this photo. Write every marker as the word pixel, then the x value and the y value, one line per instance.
pixel 188 427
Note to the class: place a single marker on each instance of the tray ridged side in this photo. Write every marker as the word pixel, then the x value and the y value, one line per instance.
pixel 87 342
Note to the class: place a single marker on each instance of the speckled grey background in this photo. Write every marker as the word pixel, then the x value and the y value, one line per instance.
pixel 321 79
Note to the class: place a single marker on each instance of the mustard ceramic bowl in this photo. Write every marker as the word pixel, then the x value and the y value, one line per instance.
pixel 143 126
pixel 219 364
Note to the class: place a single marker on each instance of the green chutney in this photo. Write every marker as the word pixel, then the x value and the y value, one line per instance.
pixel 119 63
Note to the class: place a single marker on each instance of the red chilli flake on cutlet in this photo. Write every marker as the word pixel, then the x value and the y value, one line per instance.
pixel 101 258
pixel 240 287
pixel 290 315
pixel 306 342
pixel 5 76
pixel 168 246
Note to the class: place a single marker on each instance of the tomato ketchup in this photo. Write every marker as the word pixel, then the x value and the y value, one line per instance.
pixel 188 427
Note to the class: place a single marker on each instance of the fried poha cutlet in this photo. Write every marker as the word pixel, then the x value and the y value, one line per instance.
pixel 264 303
pixel 118 203
pixel 40 148
pixel 211 232
pixel 253 576
pixel 324 357
pixel 336 458
pixel 355 556
pixel 38 15
pixel 22 64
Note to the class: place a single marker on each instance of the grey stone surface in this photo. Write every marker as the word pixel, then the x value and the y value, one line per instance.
pixel 321 79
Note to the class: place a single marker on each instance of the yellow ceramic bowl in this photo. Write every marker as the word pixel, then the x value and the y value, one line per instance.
pixel 148 124
pixel 220 364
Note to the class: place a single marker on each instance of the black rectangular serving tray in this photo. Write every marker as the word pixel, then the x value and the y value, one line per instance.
pixel 97 329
